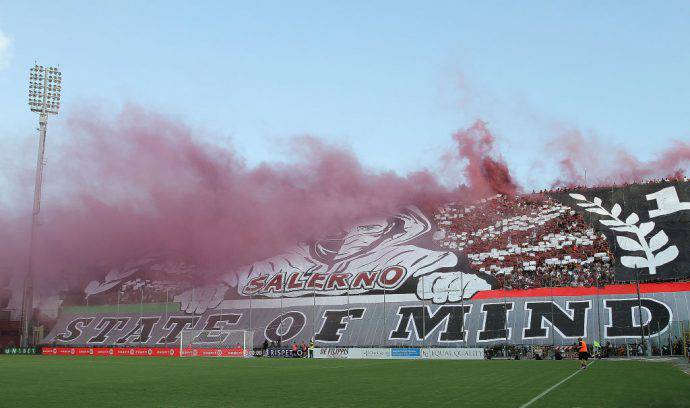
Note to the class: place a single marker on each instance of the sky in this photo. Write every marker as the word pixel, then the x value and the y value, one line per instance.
pixel 390 80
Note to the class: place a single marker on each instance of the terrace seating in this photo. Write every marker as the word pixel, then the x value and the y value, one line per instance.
pixel 526 241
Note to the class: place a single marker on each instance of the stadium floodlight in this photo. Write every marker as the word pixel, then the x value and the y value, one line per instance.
pixel 45 87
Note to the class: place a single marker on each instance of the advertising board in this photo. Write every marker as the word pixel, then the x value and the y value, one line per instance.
pixel 142 352
pixel 453 353
pixel 283 353
pixel 388 353
pixel 412 352
pixel 352 353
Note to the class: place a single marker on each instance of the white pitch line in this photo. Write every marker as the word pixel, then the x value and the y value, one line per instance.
pixel 553 387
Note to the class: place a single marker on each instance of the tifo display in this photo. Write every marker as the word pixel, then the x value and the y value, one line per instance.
pixel 541 269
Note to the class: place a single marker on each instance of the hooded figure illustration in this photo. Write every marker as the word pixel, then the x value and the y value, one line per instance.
pixel 370 246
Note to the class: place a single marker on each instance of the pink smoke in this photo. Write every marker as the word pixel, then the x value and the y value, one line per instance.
pixel 485 171
pixel 121 187
pixel 590 161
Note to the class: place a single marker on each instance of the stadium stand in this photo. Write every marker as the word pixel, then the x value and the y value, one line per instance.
pixel 9 328
pixel 527 241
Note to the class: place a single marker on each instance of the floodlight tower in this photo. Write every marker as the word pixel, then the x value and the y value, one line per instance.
pixel 45 84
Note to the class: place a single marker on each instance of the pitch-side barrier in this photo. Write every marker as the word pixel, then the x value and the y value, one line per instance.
pixel 401 353
pixel 142 352
pixel 322 352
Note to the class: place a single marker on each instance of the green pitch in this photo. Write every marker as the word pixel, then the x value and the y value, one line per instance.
pixel 42 381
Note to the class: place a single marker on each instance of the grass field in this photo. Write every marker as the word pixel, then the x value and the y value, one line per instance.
pixel 43 381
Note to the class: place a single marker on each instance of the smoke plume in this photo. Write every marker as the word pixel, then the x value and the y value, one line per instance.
pixel 484 171
pixel 590 161
pixel 123 186
pixel 140 181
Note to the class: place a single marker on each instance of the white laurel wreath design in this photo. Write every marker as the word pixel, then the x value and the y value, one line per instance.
pixel 655 243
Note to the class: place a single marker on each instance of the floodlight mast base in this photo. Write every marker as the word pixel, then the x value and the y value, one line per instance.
pixel 27 300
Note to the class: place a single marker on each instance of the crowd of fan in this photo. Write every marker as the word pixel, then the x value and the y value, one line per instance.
pixel 527 241
pixel 675 178
pixel 139 291
pixel 524 241
pixel 660 347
